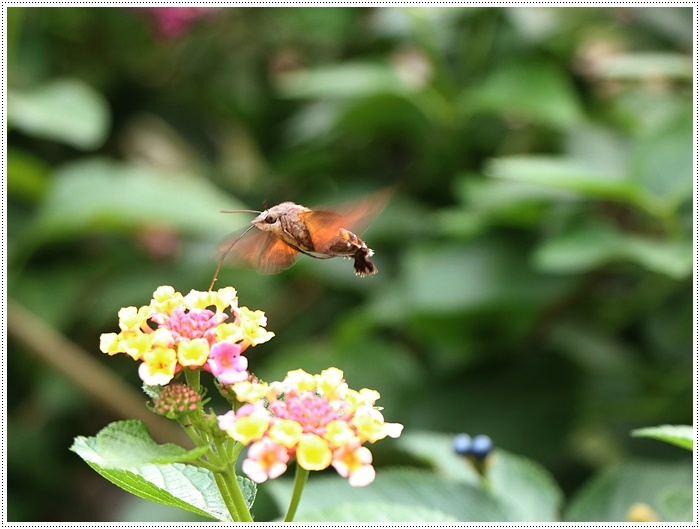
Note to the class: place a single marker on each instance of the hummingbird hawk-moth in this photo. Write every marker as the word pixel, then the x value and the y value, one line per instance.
pixel 288 229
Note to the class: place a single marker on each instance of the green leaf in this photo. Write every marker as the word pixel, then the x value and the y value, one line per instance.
pixel 407 487
pixel 436 450
pixel 99 194
pixel 662 162
pixel 532 91
pixel 124 454
pixel 677 504
pixel 568 175
pixel 679 435
pixel 673 258
pixel 27 176
pixel 65 110
pixel 609 496
pixel 476 276
pixel 127 444
pixel 184 486
pixel 486 202
pixel 589 247
pixel 349 80
pixel 634 66
pixel 376 512
pixel 578 251
pixel 249 489
pixel 525 489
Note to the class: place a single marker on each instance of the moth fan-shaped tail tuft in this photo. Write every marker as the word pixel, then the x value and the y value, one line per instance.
pixel 363 265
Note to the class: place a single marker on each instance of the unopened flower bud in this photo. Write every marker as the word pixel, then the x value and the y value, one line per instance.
pixel 176 400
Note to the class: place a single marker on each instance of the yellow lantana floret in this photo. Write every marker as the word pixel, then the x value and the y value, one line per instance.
pixel 331 384
pixel 247 391
pixel 313 452
pixel 301 380
pixel 158 367
pixel 229 332
pixel 226 297
pixel 250 428
pixel 338 433
pixel 109 343
pixel 285 432
pixel 165 299
pixel 135 344
pixel 252 323
pixel 193 353
pixel 133 319
pixel 371 427
pixel 198 300
pixel 161 338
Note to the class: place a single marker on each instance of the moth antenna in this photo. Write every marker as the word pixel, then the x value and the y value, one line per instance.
pixel 223 255
pixel 239 211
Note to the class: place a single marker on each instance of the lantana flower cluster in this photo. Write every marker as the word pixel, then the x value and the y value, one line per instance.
pixel 202 330
pixel 316 419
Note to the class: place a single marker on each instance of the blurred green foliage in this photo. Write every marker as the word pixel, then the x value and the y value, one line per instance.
pixel 535 260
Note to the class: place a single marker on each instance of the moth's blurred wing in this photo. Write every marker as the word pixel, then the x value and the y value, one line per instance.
pixel 276 256
pixel 324 223
pixel 261 250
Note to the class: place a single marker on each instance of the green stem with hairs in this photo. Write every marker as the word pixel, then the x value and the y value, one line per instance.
pixel 222 459
pixel 300 478
pixel 192 378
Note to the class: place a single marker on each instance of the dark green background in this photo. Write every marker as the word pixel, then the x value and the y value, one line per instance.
pixel 535 258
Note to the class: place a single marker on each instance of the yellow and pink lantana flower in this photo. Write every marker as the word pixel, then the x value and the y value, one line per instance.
pixel 316 419
pixel 202 330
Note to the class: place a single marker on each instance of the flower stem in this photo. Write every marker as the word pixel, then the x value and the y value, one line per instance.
pixel 192 377
pixel 223 487
pixel 237 495
pixel 227 482
pixel 300 478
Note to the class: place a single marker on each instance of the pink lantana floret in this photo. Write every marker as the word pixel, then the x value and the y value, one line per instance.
pixel 266 459
pixel 226 363
pixel 355 463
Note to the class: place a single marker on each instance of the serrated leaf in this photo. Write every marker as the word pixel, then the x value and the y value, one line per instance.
pixel 183 486
pixel 66 110
pixel 377 512
pixel 127 444
pixel 679 435
pixel 124 454
pixel 408 487
pixel 249 489
pixel 609 496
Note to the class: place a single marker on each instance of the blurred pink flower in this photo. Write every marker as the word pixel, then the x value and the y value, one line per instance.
pixel 173 22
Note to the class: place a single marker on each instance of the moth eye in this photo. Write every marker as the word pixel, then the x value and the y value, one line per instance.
pixel 270 219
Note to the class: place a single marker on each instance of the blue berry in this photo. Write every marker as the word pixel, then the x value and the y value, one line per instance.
pixel 462 444
pixel 481 447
